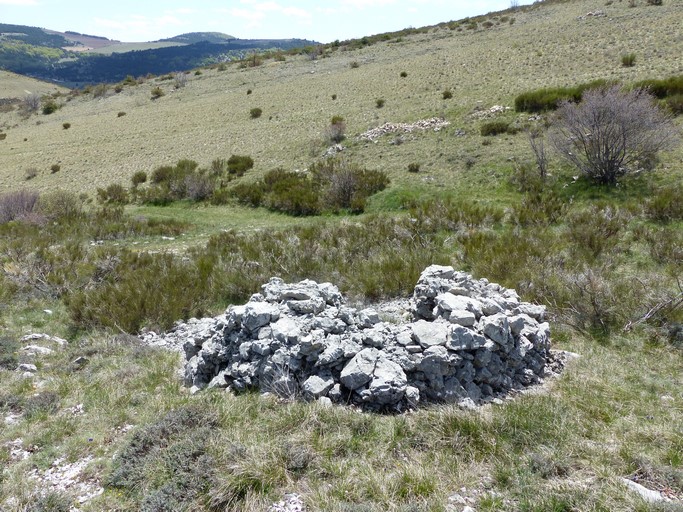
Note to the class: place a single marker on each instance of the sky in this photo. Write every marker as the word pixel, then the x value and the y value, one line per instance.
pixel 319 20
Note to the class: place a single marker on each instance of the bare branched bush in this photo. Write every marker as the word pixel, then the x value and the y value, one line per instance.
pixel 17 205
pixel 179 80
pixel 612 132
pixel 538 148
pixel 31 102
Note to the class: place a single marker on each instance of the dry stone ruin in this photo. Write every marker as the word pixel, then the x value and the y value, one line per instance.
pixel 466 341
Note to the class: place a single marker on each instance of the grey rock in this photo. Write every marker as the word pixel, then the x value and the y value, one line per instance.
pixel 258 314
pixel 358 371
pixel 428 334
pixel 368 317
pixel 496 327
pixel 316 386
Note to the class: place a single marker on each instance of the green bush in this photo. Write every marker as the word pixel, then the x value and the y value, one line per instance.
pixel 113 194
pixel 675 104
pixel 447 94
pixel 663 88
pixel 255 113
pixel 336 132
pixel 404 74
pixel 55 168
pixel 60 206
pixel 497 127
pixel 239 164
pixel 546 99
pixel 66 126
pixel 139 178
pixel 249 194
pixel 50 107
pixel 414 167
pixel 157 92
pixel 379 102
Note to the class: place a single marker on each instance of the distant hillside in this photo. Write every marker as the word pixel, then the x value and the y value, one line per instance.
pixel 75 59
pixel 199 37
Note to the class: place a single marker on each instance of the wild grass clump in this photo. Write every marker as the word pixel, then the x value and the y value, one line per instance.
pixel 50 106
pixel 255 113
pixel 157 92
pixel 112 194
pixel 666 204
pixel 662 88
pixel 55 168
pixel 66 126
pixel 628 60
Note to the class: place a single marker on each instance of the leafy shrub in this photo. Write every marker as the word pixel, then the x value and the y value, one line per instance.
pixel 239 164
pixel 118 88
pixel 249 91
pixel 447 94
pixel 337 129
pixel 113 194
pixel 121 114
pixel 379 102
pixel 546 99
pixel 666 204
pixel 55 168
pixel 66 126
pixel 139 178
pixel 414 167
pixel 60 205
pixel 249 194
pixel 628 60
pixel 50 107
pixel 354 64
pixel 157 92
pixel 255 112
pixel 496 127
pixel 404 74
pixel 595 230
pixel 334 97
pixel 663 88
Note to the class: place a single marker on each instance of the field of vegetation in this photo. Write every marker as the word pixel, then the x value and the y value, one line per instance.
pixel 130 206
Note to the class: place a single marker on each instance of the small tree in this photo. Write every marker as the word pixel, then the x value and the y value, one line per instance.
pixel 611 131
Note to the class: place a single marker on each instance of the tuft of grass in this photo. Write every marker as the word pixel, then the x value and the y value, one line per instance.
pixel 628 60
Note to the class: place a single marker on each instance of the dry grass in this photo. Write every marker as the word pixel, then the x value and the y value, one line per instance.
pixel 206 119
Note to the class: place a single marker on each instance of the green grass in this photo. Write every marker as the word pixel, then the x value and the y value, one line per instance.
pixel 598 257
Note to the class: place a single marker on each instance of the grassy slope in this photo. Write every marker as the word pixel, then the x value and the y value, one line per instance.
pixel 616 412
pixel 17 86
pixel 210 117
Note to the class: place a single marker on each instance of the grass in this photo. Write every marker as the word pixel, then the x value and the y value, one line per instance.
pixel 214 101
pixel 598 257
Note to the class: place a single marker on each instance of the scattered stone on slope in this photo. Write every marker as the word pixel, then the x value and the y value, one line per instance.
pixel 463 341
pixel 434 124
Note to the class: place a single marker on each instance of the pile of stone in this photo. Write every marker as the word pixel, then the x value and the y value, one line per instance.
pixel 489 113
pixel 434 124
pixel 467 341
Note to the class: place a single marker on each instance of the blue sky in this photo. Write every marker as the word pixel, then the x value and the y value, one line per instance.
pixel 324 21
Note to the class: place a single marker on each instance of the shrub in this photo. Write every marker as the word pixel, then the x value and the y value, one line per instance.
pixel 179 80
pixel 404 74
pixel 17 205
pixel 354 64
pixel 139 178
pixel 414 167
pixel 628 60
pixel 121 114
pixel 249 194
pixel 30 173
pixel 198 186
pixel 55 168
pixel 118 88
pixel 99 91
pixel 255 113
pixel 379 103
pixel 66 126
pixel 60 205
pixel 447 94
pixel 113 194
pixel 336 130
pixel 239 164
pixel 157 92
pixel 497 127
pixel 663 88
pixel 31 102
pixel 542 100
pixel 50 107
pixel 334 97
pixel 3 136
pixel 611 131
pixel 654 2
pixel 249 91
